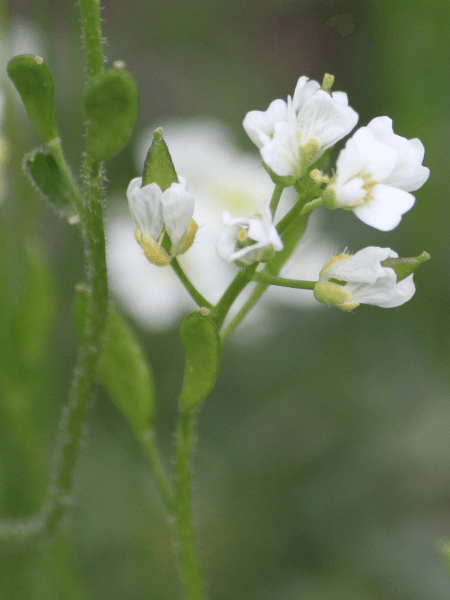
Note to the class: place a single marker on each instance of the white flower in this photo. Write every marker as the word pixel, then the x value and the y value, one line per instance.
pixel 375 173
pixel 156 212
pixel 349 280
pixel 235 233
pixel 292 135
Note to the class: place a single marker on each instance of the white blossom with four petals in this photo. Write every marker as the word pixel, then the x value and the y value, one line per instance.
pixel 258 228
pixel 292 135
pixel 375 173
pixel 349 280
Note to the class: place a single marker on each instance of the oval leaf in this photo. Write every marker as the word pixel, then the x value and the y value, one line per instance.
pixel 110 107
pixel 46 178
pixel 34 82
pixel 201 342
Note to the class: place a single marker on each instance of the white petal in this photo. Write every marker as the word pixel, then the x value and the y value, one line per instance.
pixel 227 240
pixel 385 210
pixel 382 129
pixel 409 173
pixel 378 159
pixel 260 125
pixel 386 292
pixel 178 208
pixel 303 90
pixel 324 120
pixel 351 193
pixel 145 207
pixel 363 267
pixel 281 152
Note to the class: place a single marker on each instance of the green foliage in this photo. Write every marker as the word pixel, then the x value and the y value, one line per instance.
pixel 110 108
pixel 158 166
pixel 34 82
pixel 201 342
pixel 46 177
pixel 123 368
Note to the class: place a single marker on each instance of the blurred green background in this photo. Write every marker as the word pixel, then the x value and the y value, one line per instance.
pixel 323 464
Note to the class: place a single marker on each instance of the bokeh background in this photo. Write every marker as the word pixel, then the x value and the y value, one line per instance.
pixel 323 462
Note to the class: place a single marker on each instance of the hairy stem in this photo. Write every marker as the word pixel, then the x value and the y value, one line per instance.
pixel 91 215
pixel 92 35
pixel 184 523
pixel 147 440
pixel 74 417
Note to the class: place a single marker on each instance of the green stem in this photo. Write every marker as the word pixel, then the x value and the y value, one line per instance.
pixel 310 206
pixel 241 280
pixel 236 321
pixel 281 281
pixel 276 198
pixel 147 440
pixel 292 226
pixel 91 215
pixel 193 292
pixel 92 35
pixel 80 394
pixel 184 523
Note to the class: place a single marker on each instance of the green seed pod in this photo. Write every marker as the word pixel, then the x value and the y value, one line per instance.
pixel 158 166
pixel 201 342
pixel 405 266
pixel 110 107
pixel 46 178
pixel 34 82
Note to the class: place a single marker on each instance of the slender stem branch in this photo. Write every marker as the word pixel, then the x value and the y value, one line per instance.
pixel 236 321
pixel 241 280
pixel 92 35
pixel 310 206
pixel 192 290
pixel 148 443
pixel 276 198
pixel 57 153
pixel 281 281
pixel 184 523
pixel 292 226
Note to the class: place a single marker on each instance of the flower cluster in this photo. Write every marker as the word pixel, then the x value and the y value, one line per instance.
pixel 375 174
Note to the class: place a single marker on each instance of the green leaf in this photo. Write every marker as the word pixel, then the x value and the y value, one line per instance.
pixel 201 342
pixel 158 166
pixel 110 107
pixel 46 177
pixel 34 82
pixel 123 368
